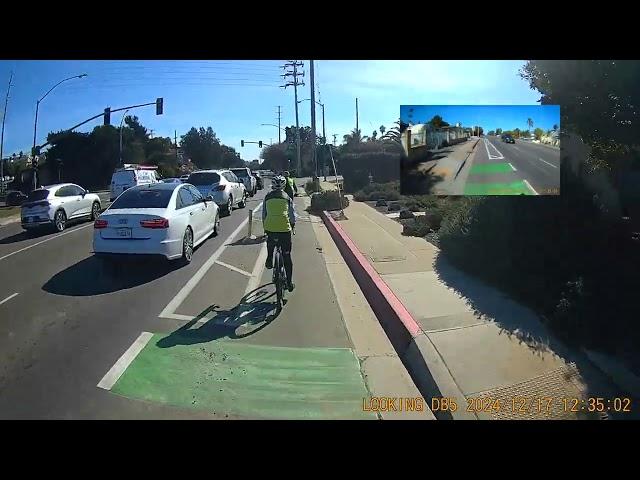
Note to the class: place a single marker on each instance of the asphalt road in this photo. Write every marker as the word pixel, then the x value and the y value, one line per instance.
pixel 500 168
pixel 66 326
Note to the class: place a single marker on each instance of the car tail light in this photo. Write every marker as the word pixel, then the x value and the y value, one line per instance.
pixel 42 204
pixel 100 224
pixel 155 223
pixel 219 188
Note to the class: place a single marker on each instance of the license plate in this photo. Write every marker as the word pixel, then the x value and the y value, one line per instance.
pixel 124 232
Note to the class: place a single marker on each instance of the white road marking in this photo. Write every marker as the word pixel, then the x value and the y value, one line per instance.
pixel 177 316
pixel 512 167
pixel 529 185
pixel 46 240
pixel 8 298
pixel 235 269
pixel 492 157
pixel 173 305
pixel 124 361
pixel 258 269
pixel 544 161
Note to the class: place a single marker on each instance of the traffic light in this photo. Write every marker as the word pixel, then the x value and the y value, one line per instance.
pixel 242 143
pixel 260 143
pixel 159 106
pixel 107 116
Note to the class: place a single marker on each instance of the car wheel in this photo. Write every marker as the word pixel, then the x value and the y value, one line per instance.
pixel 95 210
pixel 243 203
pixel 228 208
pixel 187 246
pixel 216 225
pixel 60 220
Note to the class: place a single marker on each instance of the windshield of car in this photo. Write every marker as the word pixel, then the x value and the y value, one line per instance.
pixel 143 198
pixel 205 178
pixel 240 172
pixel 38 195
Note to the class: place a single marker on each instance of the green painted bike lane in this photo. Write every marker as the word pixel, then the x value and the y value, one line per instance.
pixel 245 380
pixel 478 185
pixel 297 364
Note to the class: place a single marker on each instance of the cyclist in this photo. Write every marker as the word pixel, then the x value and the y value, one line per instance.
pixel 279 219
pixel 290 187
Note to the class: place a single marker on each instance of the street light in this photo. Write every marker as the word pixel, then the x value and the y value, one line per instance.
pixel 274 125
pixel 35 123
pixel 324 137
pixel 123 115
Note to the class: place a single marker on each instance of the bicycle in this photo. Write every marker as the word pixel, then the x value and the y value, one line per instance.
pixel 279 273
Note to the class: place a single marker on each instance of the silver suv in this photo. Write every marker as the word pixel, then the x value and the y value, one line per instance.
pixel 226 189
pixel 250 183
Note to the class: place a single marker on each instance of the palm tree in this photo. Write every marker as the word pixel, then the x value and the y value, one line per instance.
pixel 374 136
pixel 355 136
pixel 529 123
pixel 555 126
pixel 382 130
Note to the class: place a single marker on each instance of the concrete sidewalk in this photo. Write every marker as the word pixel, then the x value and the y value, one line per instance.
pixel 439 175
pixel 470 340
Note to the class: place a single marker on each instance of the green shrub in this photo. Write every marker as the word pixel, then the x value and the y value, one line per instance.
pixel 312 187
pixel 328 200
pixel 394 207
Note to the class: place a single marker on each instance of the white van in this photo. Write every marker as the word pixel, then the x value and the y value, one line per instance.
pixel 131 176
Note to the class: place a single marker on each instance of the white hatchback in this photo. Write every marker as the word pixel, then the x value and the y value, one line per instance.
pixel 163 219
pixel 55 205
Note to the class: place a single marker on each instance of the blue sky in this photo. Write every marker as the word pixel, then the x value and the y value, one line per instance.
pixel 489 117
pixel 235 97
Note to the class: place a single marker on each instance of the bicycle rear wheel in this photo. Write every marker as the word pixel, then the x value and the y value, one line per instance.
pixel 278 278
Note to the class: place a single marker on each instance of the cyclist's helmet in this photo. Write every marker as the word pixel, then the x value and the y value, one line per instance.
pixel 278 183
pixel 286 173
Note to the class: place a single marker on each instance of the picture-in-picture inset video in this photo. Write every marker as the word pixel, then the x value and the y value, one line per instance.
pixel 480 149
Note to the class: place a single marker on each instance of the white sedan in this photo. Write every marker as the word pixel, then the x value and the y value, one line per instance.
pixel 162 219
pixel 55 205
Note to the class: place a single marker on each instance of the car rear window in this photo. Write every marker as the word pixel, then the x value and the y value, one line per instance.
pixel 38 195
pixel 143 198
pixel 207 178
pixel 240 172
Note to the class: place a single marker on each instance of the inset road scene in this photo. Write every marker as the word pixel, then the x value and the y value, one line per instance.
pixel 480 149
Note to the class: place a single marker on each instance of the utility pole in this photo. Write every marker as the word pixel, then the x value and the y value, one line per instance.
pixel 357 125
pixel 279 116
pixel 4 116
pixel 334 139
pixel 294 73
pixel 175 140
pixel 314 155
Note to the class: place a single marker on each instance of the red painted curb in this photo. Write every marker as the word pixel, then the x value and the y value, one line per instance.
pixel 396 320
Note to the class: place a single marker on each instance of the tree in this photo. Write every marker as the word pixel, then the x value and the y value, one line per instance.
pixel 373 136
pixel 140 133
pixel 555 126
pixel 498 131
pixel 355 136
pixel 437 122
pixel 537 133
pixel 516 133
pixel 529 123
pixel 382 130
pixel 275 157
pixel 492 132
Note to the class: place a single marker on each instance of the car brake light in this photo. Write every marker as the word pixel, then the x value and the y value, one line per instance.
pixel 155 223
pixel 100 224
pixel 219 188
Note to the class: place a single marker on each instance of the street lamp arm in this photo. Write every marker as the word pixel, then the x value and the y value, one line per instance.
pixel 61 81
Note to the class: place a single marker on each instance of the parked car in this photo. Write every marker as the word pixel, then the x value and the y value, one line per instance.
pixel 171 180
pixel 164 219
pixel 259 180
pixel 223 185
pixel 131 176
pixel 508 139
pixel 15 198
pixel 56 205
pixel 250 184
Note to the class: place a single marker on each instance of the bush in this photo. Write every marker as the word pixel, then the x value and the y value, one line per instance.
pixel 418 227
pixel 312 187
pixel 377 191
pixel 394 207
pixel 328 200
pixel 406 214
pixel 381 203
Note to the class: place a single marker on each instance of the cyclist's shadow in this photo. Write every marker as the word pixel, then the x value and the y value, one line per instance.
pixel 254 312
